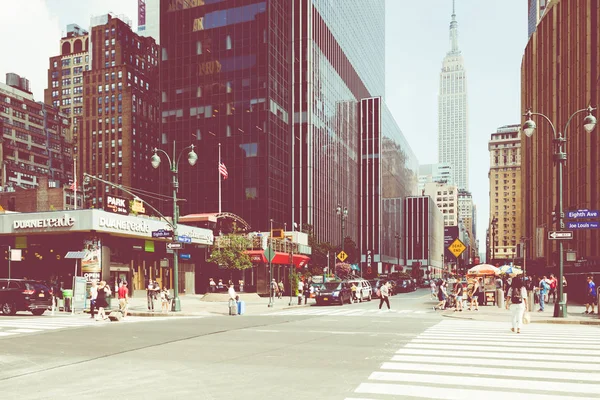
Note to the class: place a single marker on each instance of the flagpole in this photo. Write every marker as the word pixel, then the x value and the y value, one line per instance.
pixel 219 174
pixel 75 183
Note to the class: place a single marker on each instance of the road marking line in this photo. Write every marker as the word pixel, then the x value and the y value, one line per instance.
pixel 497 348
pixel 510 337
pixel 523 343
pixel 469 381
pixel 24 330
pixel 502 355
pixel 516 371
pixel 495 362
pixel 7 333
pixel 430 392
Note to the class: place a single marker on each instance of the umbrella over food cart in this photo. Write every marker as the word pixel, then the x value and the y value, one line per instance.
pixel 510 270
pixel 483 270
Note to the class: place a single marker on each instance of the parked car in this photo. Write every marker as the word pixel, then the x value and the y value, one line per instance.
pixel 334 292
pixel 405 285
pixel 364 290
pixel 375 286
pixel 24 295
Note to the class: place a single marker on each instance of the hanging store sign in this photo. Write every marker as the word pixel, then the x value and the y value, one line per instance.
pixel 65 221
pixel 124 225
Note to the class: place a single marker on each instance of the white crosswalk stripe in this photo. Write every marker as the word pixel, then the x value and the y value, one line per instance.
pixel 460 359
pixel 333 311
pixel 27 325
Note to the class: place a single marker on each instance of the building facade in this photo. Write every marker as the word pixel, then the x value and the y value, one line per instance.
pixel 466 210
pixel 423 236
pixel 149 19
pixel 44 197
pixel 65 79
pixel 453 140
pixel 559 76
pixel 35 141
pixel 505 191
pixel 446 198
pixel 535 12
pixel 121 111
pixel 440 172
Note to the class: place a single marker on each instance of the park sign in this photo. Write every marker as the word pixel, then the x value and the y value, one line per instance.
pixel 117 205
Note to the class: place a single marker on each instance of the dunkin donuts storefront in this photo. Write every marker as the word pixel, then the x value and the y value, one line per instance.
pixel 114 247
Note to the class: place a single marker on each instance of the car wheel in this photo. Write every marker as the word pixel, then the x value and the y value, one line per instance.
pixel 9 309
pixel 37 312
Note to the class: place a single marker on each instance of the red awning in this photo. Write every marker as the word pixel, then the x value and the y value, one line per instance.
pixel 257 256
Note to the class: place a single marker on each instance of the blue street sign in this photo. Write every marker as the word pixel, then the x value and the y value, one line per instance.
pixel 162 233
pixel 184 239
pixel 583 214
pixel 185 256
pixel 583 225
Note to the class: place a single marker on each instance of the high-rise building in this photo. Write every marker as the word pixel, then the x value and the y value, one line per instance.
pixel 286 88
pixel 446 198
pixel 440 172
pixel 535 12
pixel 34 139
pixel 121 109
pixel 505 191
pixel 453 141
pixel 568 82
pixel 466 210
pixel 65 79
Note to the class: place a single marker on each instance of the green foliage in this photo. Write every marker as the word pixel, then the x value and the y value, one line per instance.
pixel 351 249
pixel 229 252
pixel 294 278
pixel 343 270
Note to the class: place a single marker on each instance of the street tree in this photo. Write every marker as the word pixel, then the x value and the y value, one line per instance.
pixel 229 252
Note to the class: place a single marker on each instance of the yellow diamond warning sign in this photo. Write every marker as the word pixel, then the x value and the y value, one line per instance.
pixel 457 247
pixel 342 256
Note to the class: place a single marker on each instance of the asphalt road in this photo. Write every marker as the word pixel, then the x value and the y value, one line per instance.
pixel 250 357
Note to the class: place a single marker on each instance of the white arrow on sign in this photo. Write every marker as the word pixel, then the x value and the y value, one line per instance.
pixel 172 246
pixel 560 235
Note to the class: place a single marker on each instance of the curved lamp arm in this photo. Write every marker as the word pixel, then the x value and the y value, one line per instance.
pixel 589 110
pixel 157 150
pixel 191 146
pixel 86 175
pixel 528 114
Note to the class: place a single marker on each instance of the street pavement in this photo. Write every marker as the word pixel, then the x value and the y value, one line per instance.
pixel 334 352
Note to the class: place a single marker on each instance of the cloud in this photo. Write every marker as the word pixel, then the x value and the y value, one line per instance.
pixel 30 36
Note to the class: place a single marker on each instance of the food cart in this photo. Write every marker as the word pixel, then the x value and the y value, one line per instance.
pixel 488 274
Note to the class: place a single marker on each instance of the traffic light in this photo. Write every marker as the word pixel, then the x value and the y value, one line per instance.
pixel 277 233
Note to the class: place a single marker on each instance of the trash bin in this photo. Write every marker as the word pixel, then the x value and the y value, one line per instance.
pixel 500 298
pixel 68 296
pixel 241 307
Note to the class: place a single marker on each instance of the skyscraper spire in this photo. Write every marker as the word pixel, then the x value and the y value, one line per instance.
pixel 454 31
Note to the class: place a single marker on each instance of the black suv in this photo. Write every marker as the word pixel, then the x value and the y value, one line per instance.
pixel 24 295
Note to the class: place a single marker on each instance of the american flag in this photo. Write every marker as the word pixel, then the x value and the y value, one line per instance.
pixel 223 170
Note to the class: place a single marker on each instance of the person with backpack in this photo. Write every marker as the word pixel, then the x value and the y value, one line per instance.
pixel 516 298
pixel 544 288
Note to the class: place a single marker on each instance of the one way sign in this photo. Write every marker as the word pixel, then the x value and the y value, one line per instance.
pixel 560 235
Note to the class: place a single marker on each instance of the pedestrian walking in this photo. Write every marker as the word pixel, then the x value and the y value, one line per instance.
pixel 353 291
pixel 103 292
pixel 274 288
pixel 300 291
pixel 442 296
pixel 433 288
pixel 123 299
pixel 150 295
pixel 544 288
pixel 280 288
pixel 591 295
pixel 516 298
pixel 384 295
pixel 232 296
pixel 164 300
pixel 212 285
pixel 473 294
pixel 306 293
pixel 553 282
pixel 93 297
pixel 458 292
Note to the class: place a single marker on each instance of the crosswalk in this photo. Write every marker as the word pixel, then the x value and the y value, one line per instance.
pixel 459 359
pixel 31 325
pixel 347 312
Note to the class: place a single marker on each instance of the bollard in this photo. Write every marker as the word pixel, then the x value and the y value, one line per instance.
pixel 530 301
pixel 500 298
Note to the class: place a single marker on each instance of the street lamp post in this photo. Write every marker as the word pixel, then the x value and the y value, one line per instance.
pixel 524 241
pixel 560 158
pixel 174 167
pixel 343 214
pixel 397 236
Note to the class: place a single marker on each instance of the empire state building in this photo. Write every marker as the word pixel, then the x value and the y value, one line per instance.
pixel 453 141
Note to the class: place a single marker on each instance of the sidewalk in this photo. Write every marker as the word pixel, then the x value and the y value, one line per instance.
pixel 211 305
pixel 575 315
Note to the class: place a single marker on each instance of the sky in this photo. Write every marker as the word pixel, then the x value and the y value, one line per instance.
pixel 492 38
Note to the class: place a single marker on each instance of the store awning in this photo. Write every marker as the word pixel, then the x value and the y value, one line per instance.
pixel 258 256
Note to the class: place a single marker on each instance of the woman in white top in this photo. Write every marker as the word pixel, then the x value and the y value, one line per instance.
pixel 517 299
